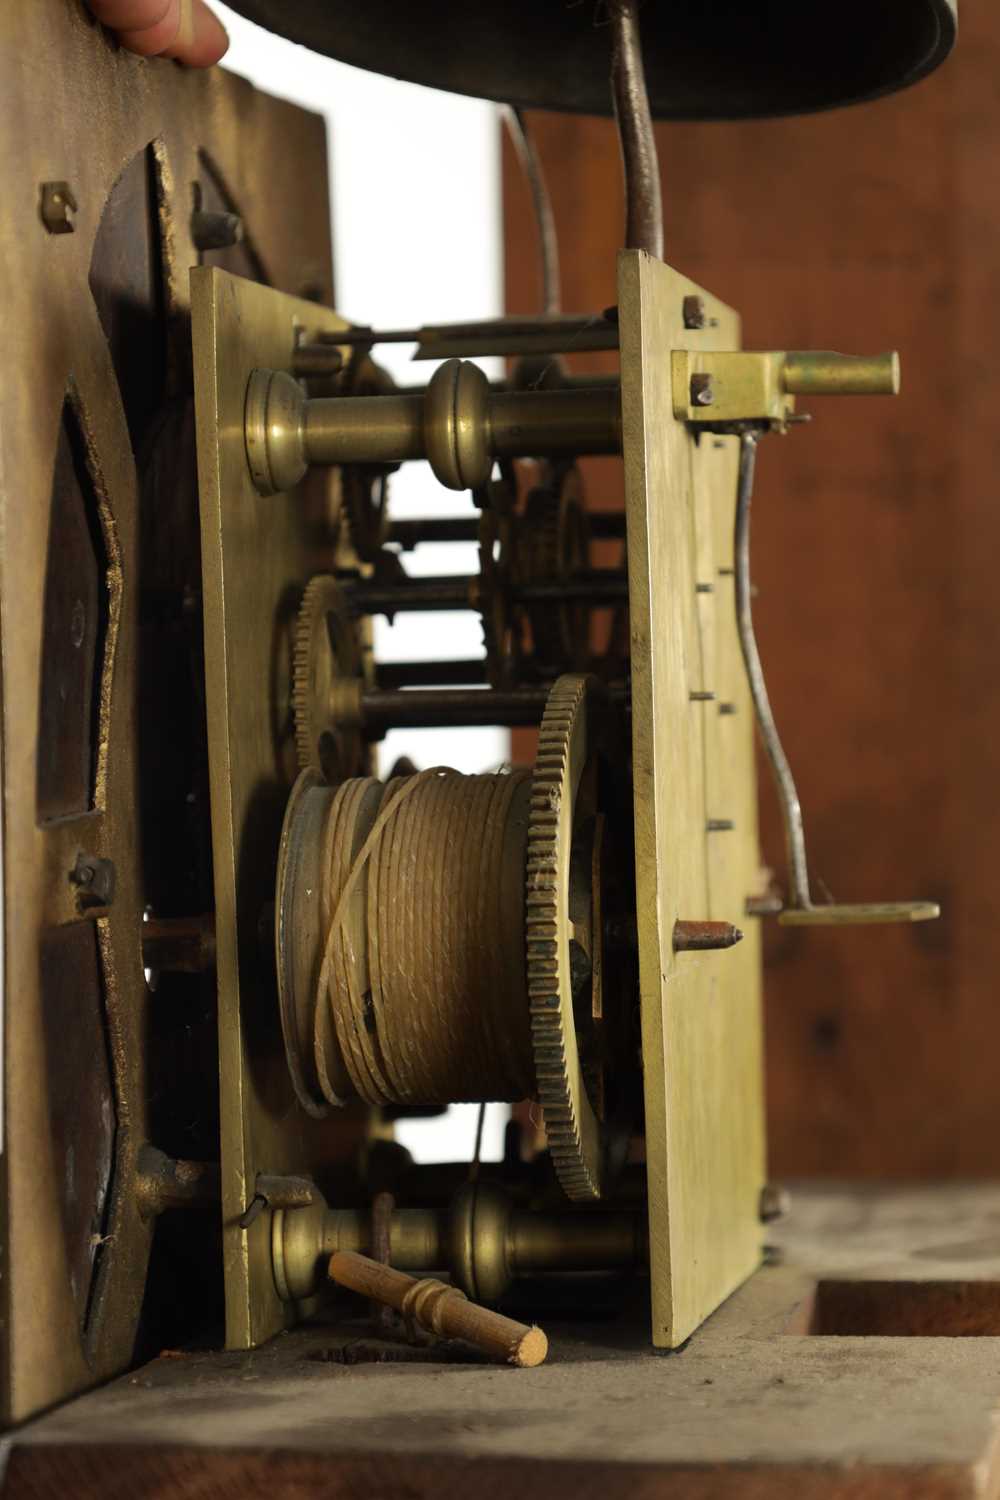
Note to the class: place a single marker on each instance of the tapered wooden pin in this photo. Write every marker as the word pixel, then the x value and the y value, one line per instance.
pixel 441 1309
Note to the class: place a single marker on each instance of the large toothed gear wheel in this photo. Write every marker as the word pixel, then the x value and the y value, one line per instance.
pixel 326 682
pixel 561 926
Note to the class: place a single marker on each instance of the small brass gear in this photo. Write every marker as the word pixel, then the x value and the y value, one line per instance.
pixel 557 545
pixel 326 666
pixel 573 733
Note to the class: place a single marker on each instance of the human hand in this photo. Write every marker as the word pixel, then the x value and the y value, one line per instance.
pixel 185 30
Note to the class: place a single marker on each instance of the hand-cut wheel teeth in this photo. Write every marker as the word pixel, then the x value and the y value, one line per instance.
pixel 558 1092
pixel 322 597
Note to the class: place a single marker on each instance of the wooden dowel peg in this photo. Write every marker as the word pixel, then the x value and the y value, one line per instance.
pixel 441 1309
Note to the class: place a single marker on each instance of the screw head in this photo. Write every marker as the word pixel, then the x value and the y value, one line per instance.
pixel 58 207
pixel 94 880
pixel 702 390
pixel 694 311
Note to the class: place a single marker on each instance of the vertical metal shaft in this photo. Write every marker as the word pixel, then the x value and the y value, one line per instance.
pixel 791 811
pixel 643 204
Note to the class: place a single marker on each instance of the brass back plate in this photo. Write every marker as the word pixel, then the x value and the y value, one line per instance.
pixel 257 555
pixel 693 765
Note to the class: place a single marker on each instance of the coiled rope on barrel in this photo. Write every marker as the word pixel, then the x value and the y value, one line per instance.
pixel 421 981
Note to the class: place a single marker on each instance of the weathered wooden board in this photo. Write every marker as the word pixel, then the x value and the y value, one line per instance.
pixel 695 817
pixel 748 1410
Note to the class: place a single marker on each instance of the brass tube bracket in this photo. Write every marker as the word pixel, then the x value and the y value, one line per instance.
pixel 710 387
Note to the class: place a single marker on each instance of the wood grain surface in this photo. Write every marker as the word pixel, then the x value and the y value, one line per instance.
pixel 875 537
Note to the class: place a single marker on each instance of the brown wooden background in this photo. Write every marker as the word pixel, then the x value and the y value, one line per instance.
pixel 877 536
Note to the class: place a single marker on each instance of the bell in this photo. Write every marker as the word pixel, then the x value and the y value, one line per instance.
pixel 705 59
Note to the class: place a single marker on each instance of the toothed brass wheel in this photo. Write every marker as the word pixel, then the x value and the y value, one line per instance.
pixel 326 678
pixel 577 883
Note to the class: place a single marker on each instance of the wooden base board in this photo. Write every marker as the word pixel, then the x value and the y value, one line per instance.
pixel 748 1408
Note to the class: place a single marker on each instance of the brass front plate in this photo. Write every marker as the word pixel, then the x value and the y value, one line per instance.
pixel 257 555
pixel 692 765
pixel 79 109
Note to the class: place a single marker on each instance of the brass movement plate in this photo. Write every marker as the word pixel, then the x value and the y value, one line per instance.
pixel 257 556
pixel 693 766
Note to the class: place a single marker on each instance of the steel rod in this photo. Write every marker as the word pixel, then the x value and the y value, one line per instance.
pixel 604 525
pixel 598 587
pixel 788 796
pixel 414 674
pixel 411 534
pixel 799 909
pixel 561 333
pixel 460 592
pixel 445 708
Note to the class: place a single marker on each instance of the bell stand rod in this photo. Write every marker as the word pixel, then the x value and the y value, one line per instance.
pixel 643 201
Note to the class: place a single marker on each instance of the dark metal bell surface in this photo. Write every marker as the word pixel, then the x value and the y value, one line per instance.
pixel 705 59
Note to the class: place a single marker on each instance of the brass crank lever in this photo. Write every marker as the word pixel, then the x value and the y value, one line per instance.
pixel 800 910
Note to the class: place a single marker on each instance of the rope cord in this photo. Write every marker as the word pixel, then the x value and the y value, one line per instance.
pixel 420 995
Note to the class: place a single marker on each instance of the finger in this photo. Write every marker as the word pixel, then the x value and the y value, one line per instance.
pixel 183 29
pixel 159 30
pixel 201 38
pixel 130 15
